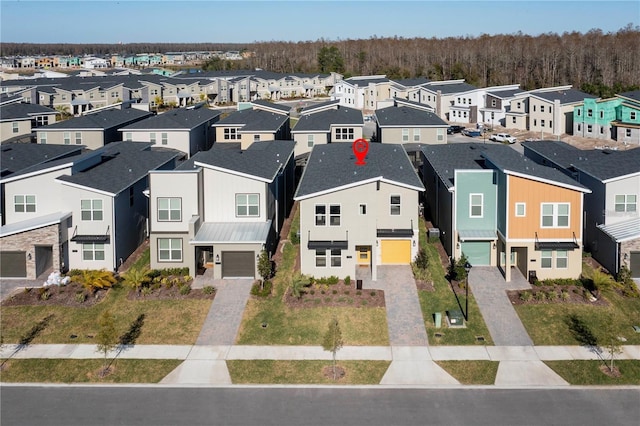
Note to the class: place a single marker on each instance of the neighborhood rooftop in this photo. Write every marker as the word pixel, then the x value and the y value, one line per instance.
pixel 323 120
pixel 407 116
pixel 333 166
pixel 253 120
pixel 179 118
pixel 22 110
pixel 21 158
pixel 100 120
pixel 565 96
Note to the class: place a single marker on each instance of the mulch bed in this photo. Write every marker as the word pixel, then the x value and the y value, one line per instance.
pixel 425 285
pixel 576 296
pixel 169 293
pixel 57 295
pixel 345 295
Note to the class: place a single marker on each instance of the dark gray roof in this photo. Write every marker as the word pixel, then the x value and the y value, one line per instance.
pixel 106 119
pixel 601 164
pixel 411 82
pixel 262 159
pixel 179 118
pixel 267 104
pixel 635 95
pixel 320 106
pixel 323 120
pixel 504 94
pixel 20 158
pixel 254 120
pixel 23 111
pixel 123 164
pixel 333 165
pixel 449 88
pixel 407 116
pixel 360 81
pixel 567 96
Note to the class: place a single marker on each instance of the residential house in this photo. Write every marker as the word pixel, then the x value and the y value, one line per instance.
pixel 363 92
pixel 72 210
pixel 476 106
pixel 92 130
pixel 499 208
pixel 408 89
pixel 627 122
pixel 354 218
pixel 407 124
pixel 497 102
pixel 252 125
pixel 326 123
pixel 186 130
pixel 611 215
pixel 221 208
pixel 594 118
pixel 441 95
pixel 20 119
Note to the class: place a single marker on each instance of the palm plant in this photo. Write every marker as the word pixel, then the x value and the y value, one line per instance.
pixel 298 284
pixel 94 280
pixel 135 278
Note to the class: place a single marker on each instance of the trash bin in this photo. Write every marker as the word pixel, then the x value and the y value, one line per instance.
pixel 358 284
pixel 532 277
pixel 438 319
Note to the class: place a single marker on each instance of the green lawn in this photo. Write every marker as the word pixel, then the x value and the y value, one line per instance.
pixel 305 372
pixel 143 261
pixel 472 372
pixel 444 299
pixel 589 373
pixel 170 322
pixel 83 370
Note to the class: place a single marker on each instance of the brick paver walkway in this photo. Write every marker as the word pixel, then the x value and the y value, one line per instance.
pixel 223 321
pixel 489 289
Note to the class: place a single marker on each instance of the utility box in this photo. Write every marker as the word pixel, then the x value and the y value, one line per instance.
pixel 533 277
pixel 358 284
pixel 433 233
pixel 456 319
pixel 438 319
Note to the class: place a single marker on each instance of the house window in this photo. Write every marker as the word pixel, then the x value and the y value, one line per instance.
pixel 24 203
pixel 394 205
pixel 93 251
pixel 152 138
pixel 632 115
pixel 336 258
pixel 310 140
pixel 170 249
pixel 518 105
pixel 440 133
pixel 579 127
pixel 15 127
pixel 627 134
pixel 78 137
pixel 67 138
pixel 579 113
pixel 493 103
pixel 344 133
pixel 363 209
pixel 521 209
pixel 416 135
pixel 534 108
pixel 626 203
pixel 405 135
pixel 231 134
pixel 169 209
pixel 475 205
pixel 321 215
pixel 247 205
pixel 128 137
pixel 164 138
pixel 43 137
pixel 541 123
pixel 91 209
pixel 321 258
pixel 562 259
pixel 535 122
pixel 546 259
pixel 513 120
pixel 601 114
pixel 602 130
pixel 555 215
pixel 589 113
pixel 589 128
pixel 334 215
pixel 541 108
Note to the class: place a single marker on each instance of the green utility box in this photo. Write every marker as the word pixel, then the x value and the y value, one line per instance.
pixel 438 319
pixel 456 319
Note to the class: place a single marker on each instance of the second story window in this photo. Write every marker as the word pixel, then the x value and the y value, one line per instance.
pixel 152 138
pixel 476 205
pixel 165 138
pixel 632 115
pixel 626 203
pixel 555 215
pixel 67 138
pixel 231 134
pixel 247 205
pixel 91 209
pixel 344 133
pixel 24 203
pixel 78 138
pixel 405 135
pixel 169 209
pixel 321 215
pixel 310 140
pixel 42 137
pixel 334 215
pixel 15 127
pixel 394 205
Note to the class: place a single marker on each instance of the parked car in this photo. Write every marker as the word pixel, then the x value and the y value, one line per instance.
pixel 503 137
pixel 473 133
pixel 454 129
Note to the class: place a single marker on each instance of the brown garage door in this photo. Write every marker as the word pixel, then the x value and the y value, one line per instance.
pixel 238 264
pixel 13 264
pixel 634 264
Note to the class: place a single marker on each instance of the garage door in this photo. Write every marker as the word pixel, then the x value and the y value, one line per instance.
pixel 634 264
pixel 238 264
pixel 13 264
pixel 478 252
pixel 396 252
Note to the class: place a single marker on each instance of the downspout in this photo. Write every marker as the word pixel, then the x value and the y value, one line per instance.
pixel 113 232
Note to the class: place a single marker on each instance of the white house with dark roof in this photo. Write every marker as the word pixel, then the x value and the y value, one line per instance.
pixel 442 95
pixel 482 105
pixel 611 214
pixel 216 212
pixel 183 129
pixel 355 218
pixel 20 119
pixel 362 92
pixel 407 124
pixel 252 125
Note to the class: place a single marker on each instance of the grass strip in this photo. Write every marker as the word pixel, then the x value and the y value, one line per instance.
pixel 472 372
pixel 587 372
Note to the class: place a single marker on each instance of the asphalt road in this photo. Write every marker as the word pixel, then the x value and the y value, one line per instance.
pixel 146 405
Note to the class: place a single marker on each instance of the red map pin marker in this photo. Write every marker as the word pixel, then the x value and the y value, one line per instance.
pixel 360 148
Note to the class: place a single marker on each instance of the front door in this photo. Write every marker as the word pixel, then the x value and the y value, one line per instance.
pixel 364 255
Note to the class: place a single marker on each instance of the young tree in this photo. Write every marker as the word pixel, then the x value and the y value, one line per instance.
pixel 107 336
pixel 612 345
pixel 332 341
pixel 264 267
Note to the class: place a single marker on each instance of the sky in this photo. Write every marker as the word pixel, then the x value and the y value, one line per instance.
pixel 240 21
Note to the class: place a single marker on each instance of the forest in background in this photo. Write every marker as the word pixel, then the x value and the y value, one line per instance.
pixel 596 62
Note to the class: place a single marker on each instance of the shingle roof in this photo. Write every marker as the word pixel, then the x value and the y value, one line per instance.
pixel 359 81
pixel 254 120
pixel 407 116
pixel 20 110
pixel 20 158
pixel 262 159
pixel 504 94
pixel 323 120
pixel 333 166
pixel 319 106
pixel 100 120
pixel 179 118
pixel 635 95
pixel 567 96
pixel 410 82
pixel 267 104
pixel 123 163
pixel 450 88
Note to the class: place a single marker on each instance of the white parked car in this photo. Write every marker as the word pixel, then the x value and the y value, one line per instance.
pixel 503 137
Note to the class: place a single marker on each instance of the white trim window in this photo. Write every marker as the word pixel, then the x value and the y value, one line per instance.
pixel 164 138
pixel 152 137
pixel 42 137
pixel 15 127
pixel 546 259
pixel 344 134
pixel 66 136
pixel 231 134
pixel 554 215
pixel 321 258
pixel 363 209
pixel 562 259
pixel 91 210
pixel 169 209
pixel 521 209
pixel 169 249
pixel 416 135
pixel 321 215
pixel 310 140
pixel 394 205
pixel 336 258
pixel 247 205
pixel 626 203
pixel 24 203
pixel 334 214
pixel 476 205
pixel 405 135
pixel 78 138
pixel 92 251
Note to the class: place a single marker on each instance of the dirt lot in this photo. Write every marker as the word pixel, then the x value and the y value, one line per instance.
pixel 577 141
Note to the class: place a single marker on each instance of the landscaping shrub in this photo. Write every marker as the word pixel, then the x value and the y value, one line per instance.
pixel 328 280
pixel 564 295
pixel 80 297
pixel 552 295
pixel 208 289
pixel 540 296
pixel 334 291
pixel 373 293
pixel 185 289
pixel 146 291
pixel 94 280
pixel 154 273
pixel 45 295
pixel 560 281
pixel 347 280
pixel 422 259
pixel 261 291
pixel 525 296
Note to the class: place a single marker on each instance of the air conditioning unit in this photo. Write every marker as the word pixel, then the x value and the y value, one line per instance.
pixel 433 233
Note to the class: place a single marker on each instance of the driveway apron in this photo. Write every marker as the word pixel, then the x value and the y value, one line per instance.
pixel 490 291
